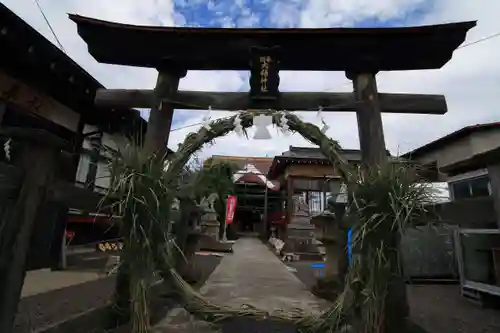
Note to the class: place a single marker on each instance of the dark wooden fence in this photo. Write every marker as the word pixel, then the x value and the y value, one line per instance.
pixel 428 250
pixel 476 213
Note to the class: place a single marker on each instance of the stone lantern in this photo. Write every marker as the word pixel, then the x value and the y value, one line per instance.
pixel 329 231
pixel 186 213
pixel 209 224
pixel 209 227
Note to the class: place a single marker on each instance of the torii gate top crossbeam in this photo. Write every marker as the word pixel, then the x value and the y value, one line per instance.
pixel 336 49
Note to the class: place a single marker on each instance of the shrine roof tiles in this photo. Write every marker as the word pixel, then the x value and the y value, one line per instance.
pixel 261 163
pixel 310 155
pixel 258 169
pixel 332 49
pixel 310 152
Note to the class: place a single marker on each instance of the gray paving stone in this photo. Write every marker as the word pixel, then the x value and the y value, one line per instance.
pixel 254 276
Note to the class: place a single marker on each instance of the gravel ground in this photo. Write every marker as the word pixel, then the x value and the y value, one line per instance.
pixel 47 308
pixel 44 309
pixel 436 308
pixel 441 308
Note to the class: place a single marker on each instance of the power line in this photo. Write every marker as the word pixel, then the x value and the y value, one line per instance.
pixel 313 109
pixel 183 127
pixel 49 25
pixel 199 123
pixel 495 35
pixel 331 88
pixel 479 40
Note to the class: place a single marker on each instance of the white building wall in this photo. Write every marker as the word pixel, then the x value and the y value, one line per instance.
pixel 102 181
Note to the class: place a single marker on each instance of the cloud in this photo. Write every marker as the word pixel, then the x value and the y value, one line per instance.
pixel 148 12
pixel 470 81
pixel 325 13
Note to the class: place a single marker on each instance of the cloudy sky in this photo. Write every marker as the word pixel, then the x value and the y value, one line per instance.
pixel 470 81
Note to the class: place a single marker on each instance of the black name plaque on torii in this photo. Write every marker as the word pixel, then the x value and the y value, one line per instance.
pixel 264 74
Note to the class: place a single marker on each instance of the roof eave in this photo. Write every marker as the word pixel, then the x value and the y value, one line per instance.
pixel 449 139
pixel 34 49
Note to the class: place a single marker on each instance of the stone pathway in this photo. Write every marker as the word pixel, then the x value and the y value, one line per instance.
pixel 45 280
pixel 251 275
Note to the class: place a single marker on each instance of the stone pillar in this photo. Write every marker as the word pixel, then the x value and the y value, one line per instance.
pixel 328 231
pixel 188 240
pixel 210 225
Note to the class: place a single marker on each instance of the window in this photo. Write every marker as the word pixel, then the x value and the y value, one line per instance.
pixel 480 187
pixel 83 169
pixel 471 188
pixel 461 190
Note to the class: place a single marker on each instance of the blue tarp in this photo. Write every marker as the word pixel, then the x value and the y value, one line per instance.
pixel 349 248
pixel 349 251
pixel 319 268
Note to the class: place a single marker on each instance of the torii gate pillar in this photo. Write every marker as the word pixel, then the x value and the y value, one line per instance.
pixel 368 113
pixel 162 111
pixel 374 155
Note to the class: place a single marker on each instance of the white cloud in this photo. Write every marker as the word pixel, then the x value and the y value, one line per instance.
pixel 326 13
pixel 285 14
pixel 147 12
pixel 470 81
pixel 248 19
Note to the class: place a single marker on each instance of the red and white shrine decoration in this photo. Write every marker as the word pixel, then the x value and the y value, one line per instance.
pixel 251 174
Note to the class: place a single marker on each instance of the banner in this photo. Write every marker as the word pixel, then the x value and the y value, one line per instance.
pixel 230 209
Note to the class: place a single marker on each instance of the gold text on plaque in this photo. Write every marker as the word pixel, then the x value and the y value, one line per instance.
pixel 264 73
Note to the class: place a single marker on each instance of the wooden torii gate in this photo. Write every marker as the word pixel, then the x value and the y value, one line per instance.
pixel 360 53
